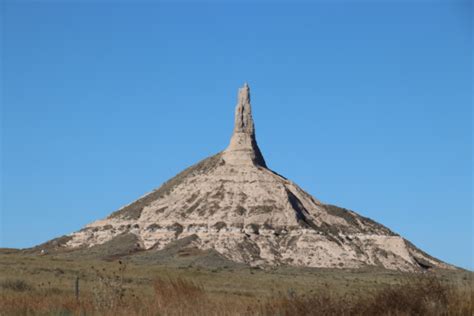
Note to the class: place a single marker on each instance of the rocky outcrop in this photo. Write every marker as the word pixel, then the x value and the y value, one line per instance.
pixel 232 205
pixel 243 148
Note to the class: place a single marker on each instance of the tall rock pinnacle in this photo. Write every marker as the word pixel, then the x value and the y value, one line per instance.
pixel 243 148
pixel 243 113
pixel 230 203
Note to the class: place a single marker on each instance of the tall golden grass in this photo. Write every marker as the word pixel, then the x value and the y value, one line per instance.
pixel 423 295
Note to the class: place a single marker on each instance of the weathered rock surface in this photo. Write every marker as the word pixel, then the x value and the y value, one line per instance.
pixel 243 148
pixel 233 205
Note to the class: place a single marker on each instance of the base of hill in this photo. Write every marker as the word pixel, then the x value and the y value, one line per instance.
pixel 179 282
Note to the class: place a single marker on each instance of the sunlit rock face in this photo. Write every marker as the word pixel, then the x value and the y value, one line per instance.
pixel 232 203
pixel 243 148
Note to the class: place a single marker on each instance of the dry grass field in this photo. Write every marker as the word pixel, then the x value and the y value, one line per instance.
pixel 46 285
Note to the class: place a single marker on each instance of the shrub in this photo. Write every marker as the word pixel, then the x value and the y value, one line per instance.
pixel 16 285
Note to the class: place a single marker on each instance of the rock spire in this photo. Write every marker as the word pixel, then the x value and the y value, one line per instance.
pixel 243 113
pixel 243 148
pixel 231 207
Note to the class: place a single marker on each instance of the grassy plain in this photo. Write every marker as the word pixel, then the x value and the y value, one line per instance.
pixel 31 284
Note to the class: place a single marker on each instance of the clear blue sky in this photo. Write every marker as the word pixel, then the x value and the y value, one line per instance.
pixel 364 105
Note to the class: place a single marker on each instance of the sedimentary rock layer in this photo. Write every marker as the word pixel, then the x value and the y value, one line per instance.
pixel 233 204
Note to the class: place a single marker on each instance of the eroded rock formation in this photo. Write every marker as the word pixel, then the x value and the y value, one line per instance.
pixel 233 204
pixel 243 148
